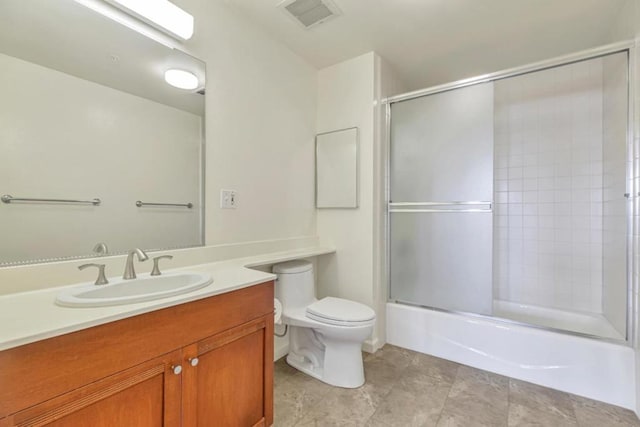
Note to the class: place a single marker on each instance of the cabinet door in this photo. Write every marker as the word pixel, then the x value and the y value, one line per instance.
pixel 232 383
pixel 144 396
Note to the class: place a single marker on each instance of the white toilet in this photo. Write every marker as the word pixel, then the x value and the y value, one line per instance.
pixel 325 336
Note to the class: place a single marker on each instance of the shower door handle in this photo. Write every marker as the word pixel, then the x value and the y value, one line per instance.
pixel 432 207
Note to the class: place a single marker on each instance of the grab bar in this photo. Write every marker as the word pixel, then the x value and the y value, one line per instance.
pixel 189 205
pixel 7 198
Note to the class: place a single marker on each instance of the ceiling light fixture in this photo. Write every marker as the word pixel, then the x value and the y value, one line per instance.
pixel 164 18
pixel 161 14
pixel 181 79
pixel 128 21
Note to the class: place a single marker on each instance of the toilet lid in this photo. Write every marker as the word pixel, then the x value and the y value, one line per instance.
pixel 339 311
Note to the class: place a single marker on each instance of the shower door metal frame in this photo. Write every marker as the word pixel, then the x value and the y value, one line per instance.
pixel 632 190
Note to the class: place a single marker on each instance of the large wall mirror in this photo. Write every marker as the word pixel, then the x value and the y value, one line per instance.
pixel 90 129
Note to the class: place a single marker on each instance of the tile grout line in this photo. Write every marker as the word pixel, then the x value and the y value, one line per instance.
pixel 288 379
pixel 574 405
pixel 377 407
pixel 395 383
pixel 508 400
pixel 310 410
pixel 448 394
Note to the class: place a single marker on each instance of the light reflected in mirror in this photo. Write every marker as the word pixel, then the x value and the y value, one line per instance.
pixel 86 113
pixel 337 169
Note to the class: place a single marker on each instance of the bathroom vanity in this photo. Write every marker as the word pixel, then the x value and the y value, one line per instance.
pixel 206 362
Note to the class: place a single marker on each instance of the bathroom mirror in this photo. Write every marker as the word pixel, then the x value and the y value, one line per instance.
pixel 337 169
pixel 96 147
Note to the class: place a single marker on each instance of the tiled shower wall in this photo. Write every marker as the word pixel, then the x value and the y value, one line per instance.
pixel 549 188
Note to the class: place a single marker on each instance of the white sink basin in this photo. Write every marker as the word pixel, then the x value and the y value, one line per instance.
pixel 144 288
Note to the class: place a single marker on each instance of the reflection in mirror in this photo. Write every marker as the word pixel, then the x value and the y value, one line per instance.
pixel 337 169
pixel 86 113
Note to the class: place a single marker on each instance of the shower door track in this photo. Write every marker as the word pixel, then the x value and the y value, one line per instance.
pixel 510 322
pixel 632 150
pixel 584 55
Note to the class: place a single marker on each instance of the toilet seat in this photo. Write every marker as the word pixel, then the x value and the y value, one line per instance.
pixel 340 312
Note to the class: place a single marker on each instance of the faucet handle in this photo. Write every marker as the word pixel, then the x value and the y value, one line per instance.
pixel 101 280
pixel 156 269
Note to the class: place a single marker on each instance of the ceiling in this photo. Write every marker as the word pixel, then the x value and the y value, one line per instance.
pixel 429 42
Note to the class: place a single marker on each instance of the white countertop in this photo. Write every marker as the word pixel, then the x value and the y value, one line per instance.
pixel 27 317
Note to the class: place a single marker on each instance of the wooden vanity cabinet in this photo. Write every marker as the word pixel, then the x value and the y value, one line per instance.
pixel 145 395
pixel 226 388
pixel 204 363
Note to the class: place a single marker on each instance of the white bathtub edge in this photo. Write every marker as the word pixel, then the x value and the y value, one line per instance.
pixel 587 367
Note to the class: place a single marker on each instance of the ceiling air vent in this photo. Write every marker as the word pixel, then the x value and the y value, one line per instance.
pixel 310 13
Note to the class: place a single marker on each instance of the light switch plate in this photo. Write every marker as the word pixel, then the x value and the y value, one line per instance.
pixel 228 199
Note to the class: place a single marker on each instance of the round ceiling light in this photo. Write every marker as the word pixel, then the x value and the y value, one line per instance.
pixel 181 79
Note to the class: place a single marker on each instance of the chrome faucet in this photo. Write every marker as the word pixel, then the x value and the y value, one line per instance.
pixel 129 271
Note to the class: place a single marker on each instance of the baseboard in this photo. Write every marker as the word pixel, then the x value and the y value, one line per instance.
pixel 372 345
pixel 280 350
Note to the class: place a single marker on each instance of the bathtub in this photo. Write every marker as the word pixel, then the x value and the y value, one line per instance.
pixel 587 367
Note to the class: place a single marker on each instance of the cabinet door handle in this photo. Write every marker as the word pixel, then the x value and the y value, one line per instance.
pixel 177 369
pixel 194 361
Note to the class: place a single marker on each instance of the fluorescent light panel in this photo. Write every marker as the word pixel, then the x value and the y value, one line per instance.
pixel 162 14
pixel 129 21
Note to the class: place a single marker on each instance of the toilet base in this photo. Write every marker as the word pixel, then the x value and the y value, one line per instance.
pixel 329 358
pixel 303 365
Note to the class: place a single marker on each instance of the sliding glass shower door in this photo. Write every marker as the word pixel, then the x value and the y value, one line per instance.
pixel 440 210
pixel 513 198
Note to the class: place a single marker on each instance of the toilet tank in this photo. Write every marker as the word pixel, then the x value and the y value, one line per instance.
pixel 294 288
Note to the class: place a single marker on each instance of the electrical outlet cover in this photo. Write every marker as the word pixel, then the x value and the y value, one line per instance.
pixel 228 199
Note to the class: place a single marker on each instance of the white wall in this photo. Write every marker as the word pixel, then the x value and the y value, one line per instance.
pixel 625 26
pixel 261 113
pixel 260 128
pixel 345 99
pixel 69 138
pixel 350 94
pixel 387 84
